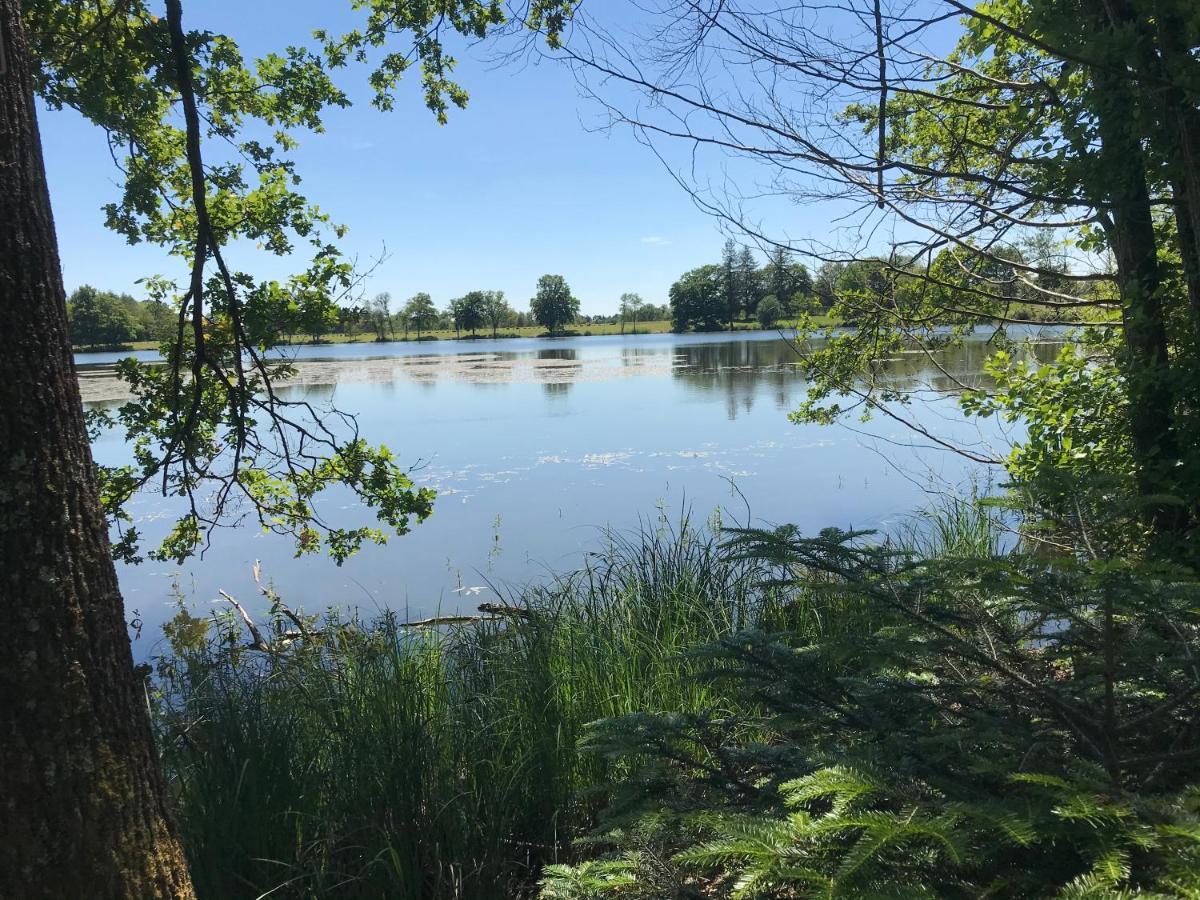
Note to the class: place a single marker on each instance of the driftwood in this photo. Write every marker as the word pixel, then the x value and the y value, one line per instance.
pixel 436 621
pixel 488 612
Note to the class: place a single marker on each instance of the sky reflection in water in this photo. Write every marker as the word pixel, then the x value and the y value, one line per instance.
pixel 535 445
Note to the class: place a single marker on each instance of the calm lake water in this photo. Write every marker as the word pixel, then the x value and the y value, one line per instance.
pixel 535 445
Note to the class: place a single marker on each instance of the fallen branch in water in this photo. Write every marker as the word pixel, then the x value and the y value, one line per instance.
pixel 436 621
pixel 282 638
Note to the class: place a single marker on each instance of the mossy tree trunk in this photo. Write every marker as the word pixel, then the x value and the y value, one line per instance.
pixel 83 806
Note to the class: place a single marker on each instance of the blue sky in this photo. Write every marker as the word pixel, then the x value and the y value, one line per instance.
pixel 519 184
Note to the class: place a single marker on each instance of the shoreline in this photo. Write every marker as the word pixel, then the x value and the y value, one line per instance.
pixel 442 336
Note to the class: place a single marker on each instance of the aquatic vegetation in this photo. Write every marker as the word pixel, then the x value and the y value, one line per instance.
pixel 339 757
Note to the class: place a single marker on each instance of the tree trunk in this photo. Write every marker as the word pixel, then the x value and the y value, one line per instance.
pixel 1180 120
pixel 1189 246
pixel 84 810
pixel 1121 180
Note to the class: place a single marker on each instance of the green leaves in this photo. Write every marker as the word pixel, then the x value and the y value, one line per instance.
pixel 209 426
pixel 937 725
pixel 698 300
pixel 423 27
pixel 553 306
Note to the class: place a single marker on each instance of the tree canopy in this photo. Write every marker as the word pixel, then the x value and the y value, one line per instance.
pixel 100 318
pixel 204 137
pixel 698 299
pixel 1041 126
pixel 553 306
pixel 420 312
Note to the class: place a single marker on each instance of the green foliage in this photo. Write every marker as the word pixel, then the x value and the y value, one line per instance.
pixel 316 314
pixel 744 283
pixel 379 312
pixel 769 312
pixel 283 505
pixel 592 879
pixel 715 296
pixel 949 725
pixel 105 319
pixel 1044 111
pixel 420 313
pixel 218 181
pixel 468 312
pixel 698 300
pixel 496 311
pixel 631 308
pixel 421 24
pixel 1075 465
pixel 345 758
pixel 787 281
pixel 99 318
pixel 553 306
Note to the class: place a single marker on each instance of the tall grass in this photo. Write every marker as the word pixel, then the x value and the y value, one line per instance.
pixel 375 759
pixel 379 760
pixel 957 528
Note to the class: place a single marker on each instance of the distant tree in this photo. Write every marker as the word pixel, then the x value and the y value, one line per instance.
pixel 769 311
pixel 749 283
pixel 553 307
pixel 420 313
pixel 652 313
pixel 380 312
pixel 451 314
pixel 788 281
pixel 348 319
pixel 631 308
pixel 316 314
pixel 729 281
pixel 698 299
pixel 825 285
pixel 99 318
pixel 496 311
pixel 866 285
pixel 159 320
pixel 468 311
pixel 149 320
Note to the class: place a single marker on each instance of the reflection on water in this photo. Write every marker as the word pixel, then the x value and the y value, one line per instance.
pixel 735 367
pixel 554 439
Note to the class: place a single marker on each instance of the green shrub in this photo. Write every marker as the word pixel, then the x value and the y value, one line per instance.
pixel 1005 726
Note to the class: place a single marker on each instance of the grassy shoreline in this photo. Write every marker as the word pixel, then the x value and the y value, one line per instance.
pixel 382 759
pixel 691 713
pixel 601 330
pixel 532 331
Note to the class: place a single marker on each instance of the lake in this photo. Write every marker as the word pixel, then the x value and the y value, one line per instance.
pixel 535 445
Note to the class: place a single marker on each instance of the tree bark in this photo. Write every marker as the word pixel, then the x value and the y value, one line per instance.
pixel 1120 179
pixel 83 806
pixel 1180 122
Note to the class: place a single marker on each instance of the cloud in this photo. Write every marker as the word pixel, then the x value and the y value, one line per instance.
pixel 655 241
pixel 362 145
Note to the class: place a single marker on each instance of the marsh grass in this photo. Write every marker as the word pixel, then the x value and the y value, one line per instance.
pixel 957 528
pixel 374 759
pixel 378 760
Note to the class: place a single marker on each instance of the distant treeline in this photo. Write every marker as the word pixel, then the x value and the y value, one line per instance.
pixel 708 298
pixel 552 307
pixel 715 296
pixel 107 319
